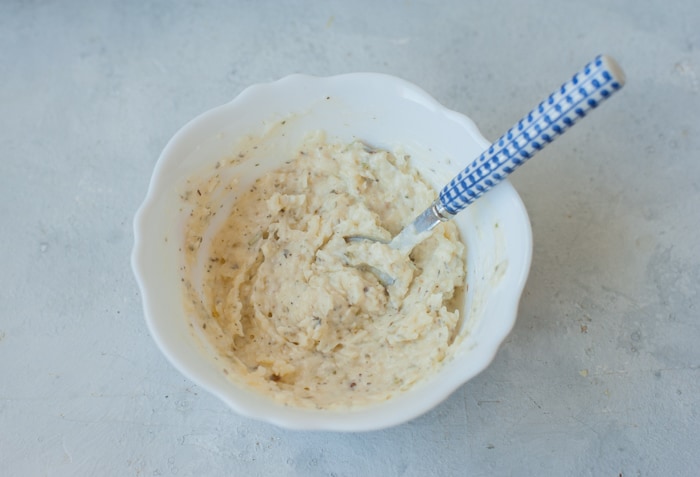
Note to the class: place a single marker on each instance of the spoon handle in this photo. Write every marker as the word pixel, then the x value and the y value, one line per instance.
pixel 596 82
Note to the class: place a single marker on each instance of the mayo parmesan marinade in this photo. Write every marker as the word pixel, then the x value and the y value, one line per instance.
pixel 293 308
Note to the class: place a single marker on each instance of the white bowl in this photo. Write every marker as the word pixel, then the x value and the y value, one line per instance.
pixel 383 111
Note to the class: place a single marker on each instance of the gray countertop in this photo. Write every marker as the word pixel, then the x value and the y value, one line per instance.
pixel 601 374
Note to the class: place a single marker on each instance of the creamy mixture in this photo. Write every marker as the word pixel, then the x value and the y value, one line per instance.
pixel 295 308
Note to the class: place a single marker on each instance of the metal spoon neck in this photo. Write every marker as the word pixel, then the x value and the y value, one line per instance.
pixel 418 230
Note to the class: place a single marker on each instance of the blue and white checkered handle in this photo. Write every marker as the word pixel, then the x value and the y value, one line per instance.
pixel 588 88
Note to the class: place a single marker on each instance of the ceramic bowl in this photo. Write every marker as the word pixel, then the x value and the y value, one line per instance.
pixel 383 111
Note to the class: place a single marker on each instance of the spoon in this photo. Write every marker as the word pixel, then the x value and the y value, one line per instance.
pixel 596 82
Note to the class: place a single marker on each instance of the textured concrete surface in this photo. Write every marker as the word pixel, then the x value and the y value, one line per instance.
pixel 599 377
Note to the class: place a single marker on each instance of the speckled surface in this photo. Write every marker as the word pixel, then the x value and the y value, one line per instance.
pixel 601 375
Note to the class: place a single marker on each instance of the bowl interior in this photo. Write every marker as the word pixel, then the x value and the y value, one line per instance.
pixel 270 121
